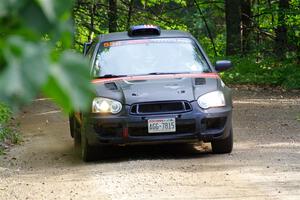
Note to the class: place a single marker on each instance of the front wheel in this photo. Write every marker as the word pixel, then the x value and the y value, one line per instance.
pixel 87 150
pixel 72 124
pixel 77 141
pixel 224 145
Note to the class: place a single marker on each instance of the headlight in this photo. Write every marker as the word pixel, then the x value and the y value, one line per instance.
pixel 212 99
pixel 104 105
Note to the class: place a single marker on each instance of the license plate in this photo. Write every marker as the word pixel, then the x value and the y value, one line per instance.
pixel 161 125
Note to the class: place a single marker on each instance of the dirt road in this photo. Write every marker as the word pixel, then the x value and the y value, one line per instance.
pixel 265 163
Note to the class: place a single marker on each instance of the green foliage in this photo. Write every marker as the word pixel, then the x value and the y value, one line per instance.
pixel 249 70
pixel 35 36
pixel 5 114
pixel 67 82
pixel 10 135
pixel 8 131
pixel 220 46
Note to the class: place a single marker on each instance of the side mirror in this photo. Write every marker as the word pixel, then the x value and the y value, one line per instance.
pixel 223 65
pixel 86 47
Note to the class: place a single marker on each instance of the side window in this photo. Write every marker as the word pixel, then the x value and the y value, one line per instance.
pixel 92 56
pixel 91 50
pixel 95 66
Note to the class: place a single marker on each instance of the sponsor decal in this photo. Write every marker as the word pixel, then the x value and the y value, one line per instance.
pixel 145 41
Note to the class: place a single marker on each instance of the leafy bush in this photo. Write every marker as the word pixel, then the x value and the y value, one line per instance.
pixel 5 114
pixel 8 130
pixel 265 71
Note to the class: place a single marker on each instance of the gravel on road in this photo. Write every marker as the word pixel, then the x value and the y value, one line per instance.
pixel 265 162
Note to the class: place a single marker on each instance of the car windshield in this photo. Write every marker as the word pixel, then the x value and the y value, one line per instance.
pixel 149 56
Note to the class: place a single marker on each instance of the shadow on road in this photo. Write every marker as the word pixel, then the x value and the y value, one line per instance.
pixel 150 152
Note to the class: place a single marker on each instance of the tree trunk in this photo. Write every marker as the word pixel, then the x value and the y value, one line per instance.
pixel 129 13
pixel 281 30
pixel 246 25
pixel 112 16
pixel 92 24
pixel 207 28
pixel 233 26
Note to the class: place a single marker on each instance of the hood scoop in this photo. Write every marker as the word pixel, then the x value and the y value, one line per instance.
pixel 200 81
pixel 111 86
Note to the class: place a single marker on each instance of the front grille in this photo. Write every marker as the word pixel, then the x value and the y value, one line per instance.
pixel 182 127
pixel 161 107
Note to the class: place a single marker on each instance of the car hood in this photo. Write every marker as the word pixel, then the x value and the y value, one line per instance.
pixel 156 88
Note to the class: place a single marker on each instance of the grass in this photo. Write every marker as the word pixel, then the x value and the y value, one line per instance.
pixel 8 129
pixel 298 118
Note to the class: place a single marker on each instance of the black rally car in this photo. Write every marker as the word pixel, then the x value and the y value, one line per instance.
pixel 153 86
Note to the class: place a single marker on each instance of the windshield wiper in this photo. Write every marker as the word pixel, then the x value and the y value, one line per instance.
pixel 111 76
pixel 162 73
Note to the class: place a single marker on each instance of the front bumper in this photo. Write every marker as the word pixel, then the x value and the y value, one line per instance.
pixel 193 126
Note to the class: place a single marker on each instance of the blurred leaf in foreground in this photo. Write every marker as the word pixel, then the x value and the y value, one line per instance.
pixel 35 37
pixel 67 82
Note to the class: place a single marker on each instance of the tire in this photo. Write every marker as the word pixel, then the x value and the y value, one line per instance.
pixel 75 131
pixel 87 151
pixel 72 124
pixel 77 142
pixel 224 145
